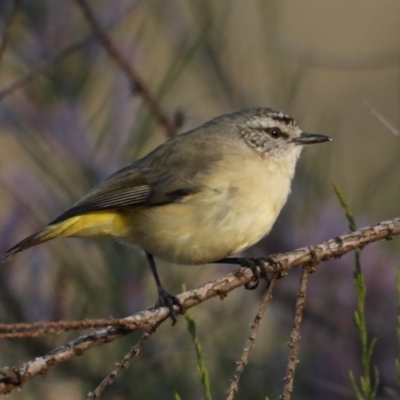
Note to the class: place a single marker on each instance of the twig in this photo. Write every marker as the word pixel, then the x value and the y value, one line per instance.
pixel 134 79
pixel 379 116
pixel 17 376
pixel 234 384
pixel 147 320
pixel 7 25
pixel 43 65
pixel 124 363
pixel 334 247
pixel 295 336
pixel 34 329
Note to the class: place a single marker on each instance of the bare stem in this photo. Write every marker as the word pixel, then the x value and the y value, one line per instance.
pixel 7 25
pixel 34 329
pixel 240 365
pixel 136 82
pixel 295 336
pixel 43 65
pixel 124 363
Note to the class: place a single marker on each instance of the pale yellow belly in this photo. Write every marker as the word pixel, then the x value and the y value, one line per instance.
pixel 206 228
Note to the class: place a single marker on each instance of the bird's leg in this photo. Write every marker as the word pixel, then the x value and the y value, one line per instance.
pixel 257 267
pixel 164 298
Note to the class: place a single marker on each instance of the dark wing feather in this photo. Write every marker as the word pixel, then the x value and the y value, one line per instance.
pixel 169 173
pixel 129 188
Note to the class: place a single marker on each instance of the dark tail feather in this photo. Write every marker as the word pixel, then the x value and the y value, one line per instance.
pixel 30 241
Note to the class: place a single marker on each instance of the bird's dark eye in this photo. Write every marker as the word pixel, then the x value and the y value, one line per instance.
pixel 274 132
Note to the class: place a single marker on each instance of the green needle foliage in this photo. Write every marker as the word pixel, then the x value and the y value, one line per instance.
pixel 368 385
pixel 201 368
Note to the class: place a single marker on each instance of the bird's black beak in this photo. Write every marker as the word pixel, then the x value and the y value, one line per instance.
pixel 311 138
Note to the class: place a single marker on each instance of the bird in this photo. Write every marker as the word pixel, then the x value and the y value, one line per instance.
pixel 198 198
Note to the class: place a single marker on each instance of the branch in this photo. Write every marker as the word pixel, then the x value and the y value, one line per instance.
pixel 379 116
pixel 7 26
pixel 255 326
pixel 134 79
pixel 295 335
pixel 333 248
pixel 43 65
pixel 148 320
pixel 124 363
pixel 35 329
pixel 145 320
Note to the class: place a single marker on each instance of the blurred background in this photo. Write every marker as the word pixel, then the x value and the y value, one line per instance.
pixel 328 64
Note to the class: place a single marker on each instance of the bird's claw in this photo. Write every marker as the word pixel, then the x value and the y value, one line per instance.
pixel 259 271
pixel 168 300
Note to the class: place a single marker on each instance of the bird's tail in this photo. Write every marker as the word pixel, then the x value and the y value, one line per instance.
pixel 97 224
pixel 50 232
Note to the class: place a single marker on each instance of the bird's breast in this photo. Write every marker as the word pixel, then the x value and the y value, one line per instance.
pixel 235 208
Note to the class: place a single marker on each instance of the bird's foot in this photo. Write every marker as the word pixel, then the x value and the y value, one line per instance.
pixel 259 270
pixel 168 300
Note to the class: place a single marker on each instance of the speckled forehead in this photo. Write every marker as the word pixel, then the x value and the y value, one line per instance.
pixel 269 120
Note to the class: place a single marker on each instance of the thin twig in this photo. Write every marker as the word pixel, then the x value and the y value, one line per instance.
pixel 295 336
pixel 7 26
pixel 43 65
pixel 240 365
pixel 34 329
pixel 136 82
pixel 124 363
pixel 335 247
pixel 146 320
pixel 16 376
pixel 379 116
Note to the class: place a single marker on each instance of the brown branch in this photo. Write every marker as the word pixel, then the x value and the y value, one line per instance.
pixel 43 65
pixel 147 320
pixel 7 26
pixel 295 336
pixel 17 376
pixel 234 384
pixel 124 363
pixel 335 247
pixel 136 82
pixel 34 329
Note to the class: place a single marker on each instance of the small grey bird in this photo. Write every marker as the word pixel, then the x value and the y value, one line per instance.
pixel 198 198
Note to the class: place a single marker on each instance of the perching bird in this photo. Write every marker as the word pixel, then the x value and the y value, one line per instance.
pixel 198 198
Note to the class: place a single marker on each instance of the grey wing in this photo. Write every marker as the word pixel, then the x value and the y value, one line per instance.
pixel 132 187
pixel 169 173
